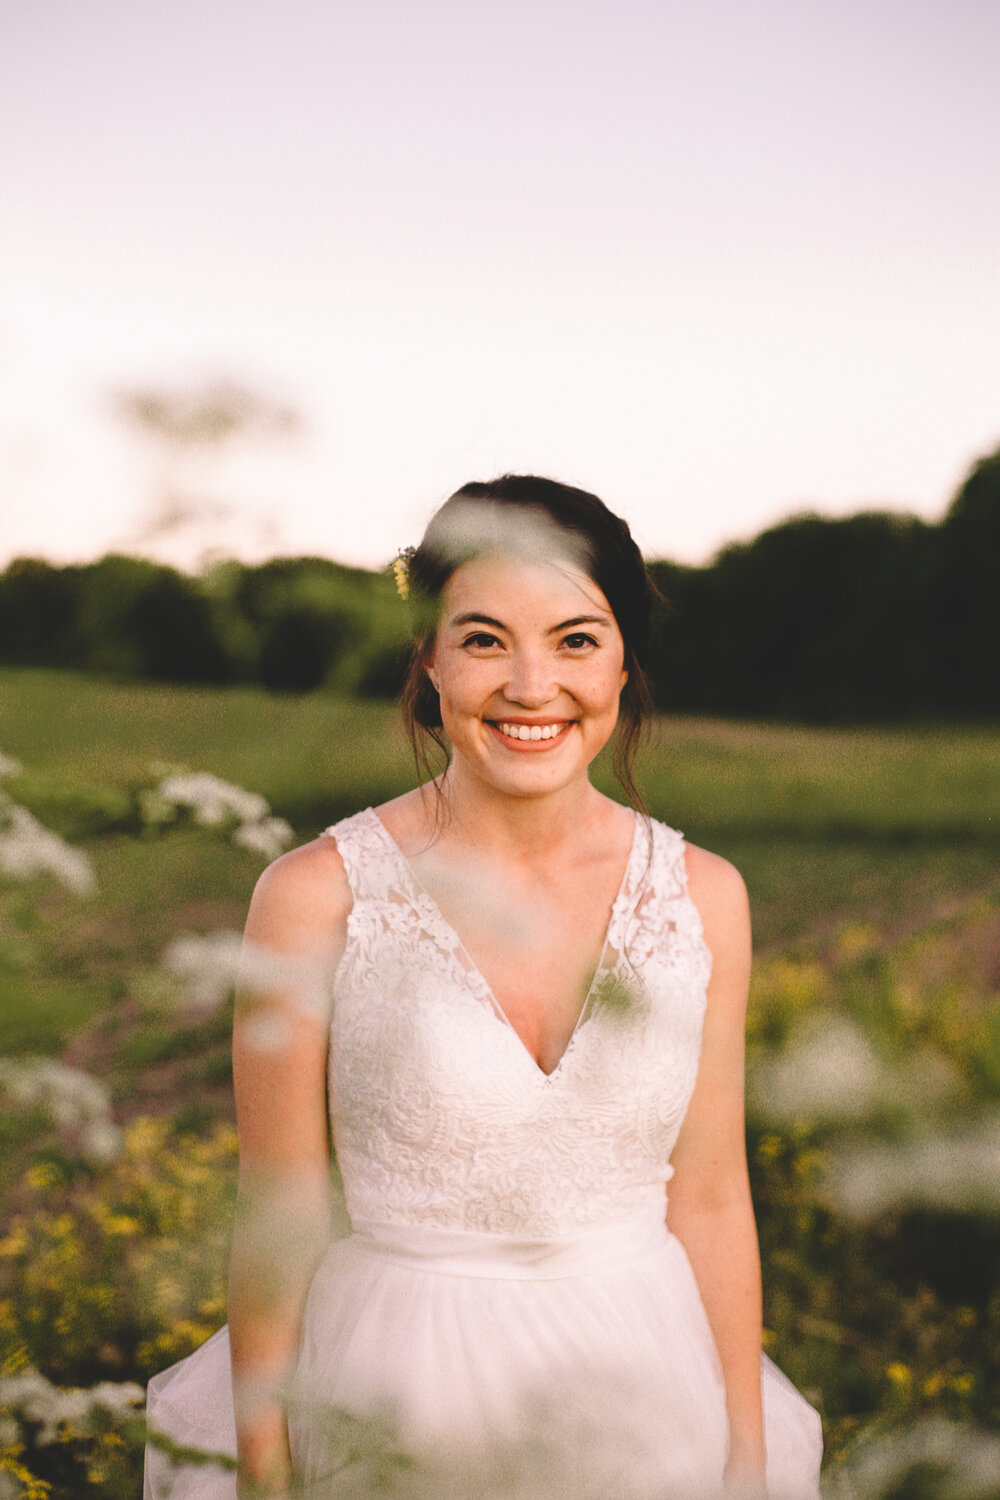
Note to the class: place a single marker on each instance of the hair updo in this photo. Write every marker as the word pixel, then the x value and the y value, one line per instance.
pixel 531 517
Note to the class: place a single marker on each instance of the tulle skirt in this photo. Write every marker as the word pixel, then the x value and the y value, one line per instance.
pixel 451 1365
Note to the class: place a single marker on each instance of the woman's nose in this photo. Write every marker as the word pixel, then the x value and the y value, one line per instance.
pixel 531 682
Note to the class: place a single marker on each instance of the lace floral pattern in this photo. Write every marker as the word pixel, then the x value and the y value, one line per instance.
pixel 441 1116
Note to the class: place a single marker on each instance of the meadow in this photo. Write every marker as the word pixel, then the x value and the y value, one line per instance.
pixel 871 857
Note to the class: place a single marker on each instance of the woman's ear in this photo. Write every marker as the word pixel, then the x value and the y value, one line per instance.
pixel 427 661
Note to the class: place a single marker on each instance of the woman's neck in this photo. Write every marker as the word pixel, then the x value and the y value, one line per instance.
pixel 521 827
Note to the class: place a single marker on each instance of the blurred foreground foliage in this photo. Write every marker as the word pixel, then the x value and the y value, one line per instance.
pixel 874 1086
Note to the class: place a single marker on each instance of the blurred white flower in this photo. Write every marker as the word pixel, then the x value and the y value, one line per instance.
pixel 213 800
pixel 9 766
pixel 269 836
pixel 965 1461
pixel 958 1168
pixel 75 1101
pixel 267 1032
pixel 467 529
pixel 206 964
pixel 101 1141
pixel 476 895
pixel 27 848
pixel 36 1400
pixel 211 965
pixel 830 1073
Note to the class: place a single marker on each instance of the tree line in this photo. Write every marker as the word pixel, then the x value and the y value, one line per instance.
pixel 876 616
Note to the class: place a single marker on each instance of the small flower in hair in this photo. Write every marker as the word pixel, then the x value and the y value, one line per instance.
pixel 401 571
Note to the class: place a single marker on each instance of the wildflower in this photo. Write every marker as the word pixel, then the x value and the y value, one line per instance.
pixel 830 1073
pixel 206 965
pixel 211 965
pixel 38 1401
pixel 101 1141
pixel 953 1168
pixel 213 800
pixel 74 1100
pixel 964 1461
pixel 267 836
pixel 9 766
pixel 27 848
pixel 401 572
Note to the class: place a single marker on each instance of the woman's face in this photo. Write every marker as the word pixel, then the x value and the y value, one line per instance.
pixel 528 662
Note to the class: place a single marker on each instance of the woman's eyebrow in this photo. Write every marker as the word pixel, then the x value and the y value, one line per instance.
pixel 473 619
pixel 581 620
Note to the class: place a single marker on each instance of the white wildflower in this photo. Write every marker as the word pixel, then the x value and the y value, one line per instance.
pixel 949 1169
pixel 268 836
pixel 38 1401
pixel 965 1459
pixel 267 1032
pixel 206 965
pixel 75 1102
pixel 213 800
pixel 307 980
pixel 9 766
pixel 70 1096
pixel 211 965
pixel 829 1073
pixel 27 848
pixel 101 1141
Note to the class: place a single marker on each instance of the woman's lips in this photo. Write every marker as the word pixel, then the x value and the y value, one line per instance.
pixel 516 734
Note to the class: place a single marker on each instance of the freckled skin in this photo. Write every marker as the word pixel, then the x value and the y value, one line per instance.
pixel 526 643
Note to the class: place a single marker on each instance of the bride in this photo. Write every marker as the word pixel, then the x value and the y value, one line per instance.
pixel 531 1069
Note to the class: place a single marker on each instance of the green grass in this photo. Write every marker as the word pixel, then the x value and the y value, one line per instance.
pixel 318 757
pixel 826 825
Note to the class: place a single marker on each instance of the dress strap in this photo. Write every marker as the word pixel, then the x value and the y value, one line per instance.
pixel 372 873
pixel 663 915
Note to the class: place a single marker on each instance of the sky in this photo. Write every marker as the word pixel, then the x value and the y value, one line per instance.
pixel 719 262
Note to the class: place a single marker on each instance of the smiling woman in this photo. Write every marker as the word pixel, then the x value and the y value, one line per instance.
pixel 524 519
pixel 517 674
pixel 536 1024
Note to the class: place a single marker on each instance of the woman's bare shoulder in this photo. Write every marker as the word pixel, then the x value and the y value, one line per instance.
pixel 302 900
pixel 412 820
pixel 712 880
pixel 718 891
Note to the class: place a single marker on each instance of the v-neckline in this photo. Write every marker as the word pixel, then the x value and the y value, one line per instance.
pixel 475 974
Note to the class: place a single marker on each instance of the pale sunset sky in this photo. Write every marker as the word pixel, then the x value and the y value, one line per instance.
pixel 718 262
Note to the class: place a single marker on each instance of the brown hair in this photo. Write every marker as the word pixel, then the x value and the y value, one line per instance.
pixel 480 517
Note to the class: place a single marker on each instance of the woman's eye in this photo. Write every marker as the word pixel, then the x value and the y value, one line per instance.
pixel 481 641
pixel 578 640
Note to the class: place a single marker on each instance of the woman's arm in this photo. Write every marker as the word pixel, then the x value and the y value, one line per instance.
pixel 709 1207
pixel 294 935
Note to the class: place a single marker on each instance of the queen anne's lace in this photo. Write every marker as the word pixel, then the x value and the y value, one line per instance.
pixel 441 1116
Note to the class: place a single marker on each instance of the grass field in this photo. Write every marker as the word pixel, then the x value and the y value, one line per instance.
pixel 872 863
pixel 824 824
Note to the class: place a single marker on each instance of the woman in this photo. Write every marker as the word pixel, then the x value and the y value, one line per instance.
pixel 536 1024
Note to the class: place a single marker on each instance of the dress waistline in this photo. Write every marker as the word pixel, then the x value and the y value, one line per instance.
pixel 513 1257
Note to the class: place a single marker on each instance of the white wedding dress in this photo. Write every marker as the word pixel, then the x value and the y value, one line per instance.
pixel 509 1316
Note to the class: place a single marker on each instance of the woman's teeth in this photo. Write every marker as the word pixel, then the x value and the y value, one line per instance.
pixel 531 731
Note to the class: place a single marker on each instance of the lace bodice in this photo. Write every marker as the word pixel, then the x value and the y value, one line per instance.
pixel 441 1116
